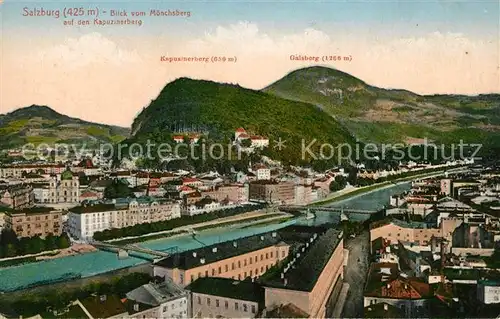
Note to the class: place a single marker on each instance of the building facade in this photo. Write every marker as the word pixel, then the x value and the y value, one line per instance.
pixel 64 189
pixel 84 221
pixel 17 196
pixel 273 192
pixel 38 221
pixel 248 257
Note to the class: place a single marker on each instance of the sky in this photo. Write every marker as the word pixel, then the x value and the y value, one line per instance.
pixel 108 73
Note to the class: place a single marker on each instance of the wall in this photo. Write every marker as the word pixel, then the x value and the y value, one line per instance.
pixel 208 306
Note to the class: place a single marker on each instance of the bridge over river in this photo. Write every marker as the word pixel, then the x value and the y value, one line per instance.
pixel 122 250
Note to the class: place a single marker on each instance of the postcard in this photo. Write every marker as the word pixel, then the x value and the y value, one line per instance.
pixel 249 159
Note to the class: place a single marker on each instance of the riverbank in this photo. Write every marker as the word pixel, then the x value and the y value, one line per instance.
pixel 356 191
pixel 183 230
pixel 74 249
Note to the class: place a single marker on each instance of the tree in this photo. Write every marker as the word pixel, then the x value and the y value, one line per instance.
pixel 117 189
pixel 63 241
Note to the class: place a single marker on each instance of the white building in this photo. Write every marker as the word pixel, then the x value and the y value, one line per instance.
pixel 84 221
pixel 488 292
pixel 167 300
pixel 209 206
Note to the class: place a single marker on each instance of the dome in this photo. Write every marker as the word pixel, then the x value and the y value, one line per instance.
pixel 67 174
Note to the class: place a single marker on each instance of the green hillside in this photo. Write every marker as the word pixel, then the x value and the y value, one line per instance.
pixel 380 115
pixel 41 124
pixel 222 108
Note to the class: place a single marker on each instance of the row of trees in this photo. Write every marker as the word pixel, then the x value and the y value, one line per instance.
pixel 11 246
pixel 146 228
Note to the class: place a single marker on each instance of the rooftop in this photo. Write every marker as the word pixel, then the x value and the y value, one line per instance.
pixel 229 288
pixel 104 306
pixel 154 294
pixel 33 210
pixel 385 281
pixel 306 271
pixel 186 260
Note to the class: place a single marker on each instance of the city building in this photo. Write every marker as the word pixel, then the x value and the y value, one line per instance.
pixel 272 191
pixel 162 300
pixel 85 220
pixel 64 188
pixel 36 221
pixel 214 297
pixel 385 284
pixel 247 257
pixel 17 196
pixel 488 291
pixel 312 275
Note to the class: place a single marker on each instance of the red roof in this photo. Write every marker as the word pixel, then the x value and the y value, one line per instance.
pixel 178 137
pixel 189 180
pixel 185 188
pixel 240 130
pixel 260 138
pixel 243 135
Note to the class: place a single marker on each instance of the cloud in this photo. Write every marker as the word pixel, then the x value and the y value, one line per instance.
pixel 87 49
pixel 95 78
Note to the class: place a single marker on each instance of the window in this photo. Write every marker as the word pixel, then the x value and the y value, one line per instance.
pixel 239 264
pixel 251 273
pixel 239 276
pixel 253 308
pixel 256 258
pixel 217 303
pixel 192 278
pixel 271 254
pixel 244 263
pixel 227 268
pixel 232 266
pixel 220 270
pixel 256 271
pixel 389 234
pixel 245 275
pixel 199 275
pixel 399 234
pixel 261 257
pixel 283 253
pixel 236 307
pixel 251 260
pixel 245 308
pixel 206 273
pixel 208 301
pixel 267 256
pixel 226 304
pixel 199 300
pixel 173 306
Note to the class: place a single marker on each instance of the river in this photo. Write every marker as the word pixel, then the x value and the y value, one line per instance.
pixel 90 264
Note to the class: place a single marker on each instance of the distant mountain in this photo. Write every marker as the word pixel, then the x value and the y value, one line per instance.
pixel 41 124
pixel 219 109
pixel 382 115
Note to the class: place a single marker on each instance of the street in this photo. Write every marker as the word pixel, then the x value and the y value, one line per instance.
pixel 355 275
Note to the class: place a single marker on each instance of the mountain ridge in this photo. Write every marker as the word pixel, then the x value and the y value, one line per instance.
pixel 41 124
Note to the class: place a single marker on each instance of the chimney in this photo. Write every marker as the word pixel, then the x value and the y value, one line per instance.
pixel 386 307
pixel 214 250
pixel 136 307
pixel 194 254
pixel 261 237
pixel 202 260
pixel 274 234
pixel 235 244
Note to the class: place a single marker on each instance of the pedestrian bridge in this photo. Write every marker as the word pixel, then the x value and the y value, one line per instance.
pixel 296 208
pixel 122 250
